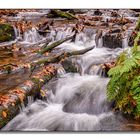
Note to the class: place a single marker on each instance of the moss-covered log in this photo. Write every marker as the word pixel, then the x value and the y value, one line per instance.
pixel 47 47
pixel 59 13
pixel 9 103
pixel 59 57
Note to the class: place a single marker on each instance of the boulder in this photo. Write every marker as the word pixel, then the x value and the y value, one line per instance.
pixel 97 12
pixel 115 14
pixel 113 40
pixel 7 33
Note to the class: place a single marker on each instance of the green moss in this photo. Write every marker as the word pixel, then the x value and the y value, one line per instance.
pixel 59 13
pixel 7 33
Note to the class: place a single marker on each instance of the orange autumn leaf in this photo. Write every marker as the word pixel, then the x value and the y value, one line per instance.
pixel 18 91
pixel 29 83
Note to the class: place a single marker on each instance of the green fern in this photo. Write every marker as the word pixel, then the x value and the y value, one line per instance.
pixel 124 85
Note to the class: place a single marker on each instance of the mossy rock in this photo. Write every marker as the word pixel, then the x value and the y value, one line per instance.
pixel 7 33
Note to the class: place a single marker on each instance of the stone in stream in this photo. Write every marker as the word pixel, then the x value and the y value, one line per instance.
pixel 7 33
pixel 97 12
pixel 114 14
pixel 78 11
pixel 113 40
pixel 132 38
pixel 69 66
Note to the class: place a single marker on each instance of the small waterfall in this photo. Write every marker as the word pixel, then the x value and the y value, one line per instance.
pixel 30 15
pixel 96 70
pixel 60 71
pixel 125 43
pixel 84 40
pixel 79 104
pixel 125 39
pixel 74 102
pixel 60 33
pixel 31 36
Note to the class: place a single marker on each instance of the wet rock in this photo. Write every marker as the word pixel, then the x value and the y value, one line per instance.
pixel 106 24
pixel 113 40
pixel 69 66
pixel 115 31
pixel 107 66
pixel 7 33
pixel 78 11
pixel 97 12
pixel 137 15
pixel 132 38
pixel 136 10
pixel 114 14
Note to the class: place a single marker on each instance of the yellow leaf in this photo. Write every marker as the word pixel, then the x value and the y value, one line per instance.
pixel 41 80
pixel 13 104
pixel 42 93
pixel 4 114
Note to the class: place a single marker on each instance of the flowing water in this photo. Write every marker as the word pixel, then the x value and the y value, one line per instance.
pixel 75 101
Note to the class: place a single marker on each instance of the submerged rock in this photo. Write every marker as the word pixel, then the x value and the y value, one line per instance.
pixel 7 33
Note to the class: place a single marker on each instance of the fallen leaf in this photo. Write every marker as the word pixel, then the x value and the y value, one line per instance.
pixel 4 114
pixel 13 104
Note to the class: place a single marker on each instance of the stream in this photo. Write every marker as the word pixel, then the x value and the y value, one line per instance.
pixel 75 101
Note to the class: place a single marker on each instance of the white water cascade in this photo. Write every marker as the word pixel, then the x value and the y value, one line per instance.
pixel 75 102
pixel 31 37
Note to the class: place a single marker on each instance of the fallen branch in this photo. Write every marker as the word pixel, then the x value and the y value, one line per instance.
pixel 57 58
pixel 55 44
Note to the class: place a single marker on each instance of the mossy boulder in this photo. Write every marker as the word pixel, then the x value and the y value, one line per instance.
pixel 7 33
